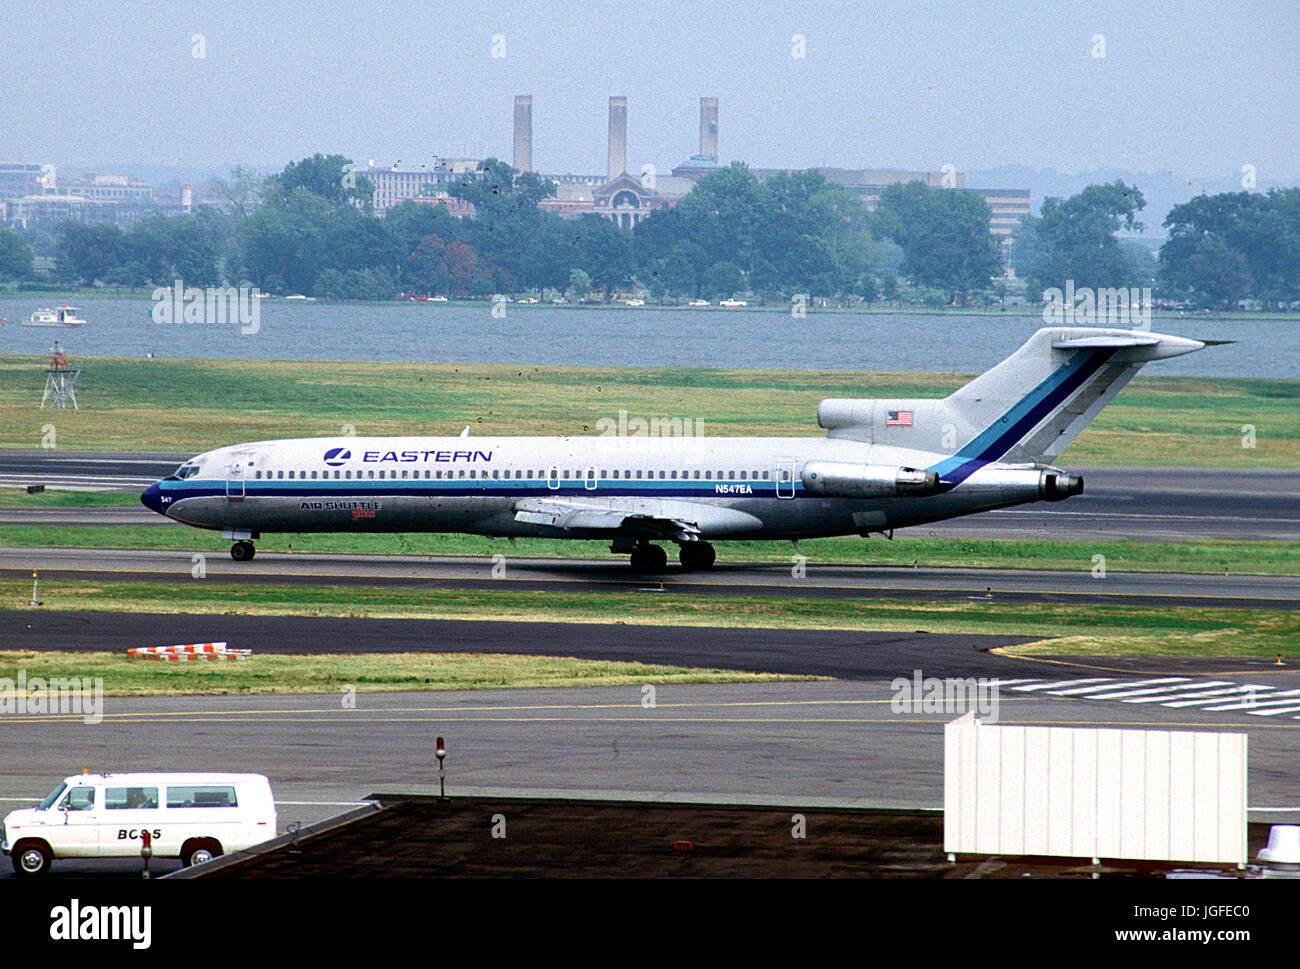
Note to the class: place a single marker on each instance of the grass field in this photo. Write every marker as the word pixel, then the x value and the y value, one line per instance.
pixel 193 405
pixel 129 676
pixel 1074 628
pixel 1264 558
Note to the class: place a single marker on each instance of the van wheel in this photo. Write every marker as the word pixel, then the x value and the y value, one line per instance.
pixel 197 852
pixel 30 858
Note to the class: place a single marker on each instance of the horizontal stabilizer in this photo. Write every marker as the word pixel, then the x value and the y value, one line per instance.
pixel 1104 342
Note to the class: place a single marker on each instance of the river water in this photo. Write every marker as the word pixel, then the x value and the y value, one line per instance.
pixel 615 337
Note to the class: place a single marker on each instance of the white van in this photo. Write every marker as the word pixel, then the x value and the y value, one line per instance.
pixel 193 817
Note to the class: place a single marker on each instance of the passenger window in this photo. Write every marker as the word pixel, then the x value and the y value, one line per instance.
pixel 731 476
pixel 742 475
pixel 708 475
pixel 697 476
pixel 80 799
pixel 347 474
pixel 279 474
pixel 405 472
pixel 370 474
pixel 214 796
pixel 290 474
pixel 129 798
pixel 258 474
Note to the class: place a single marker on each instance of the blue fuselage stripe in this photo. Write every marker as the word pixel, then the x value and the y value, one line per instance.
pixel 1001 436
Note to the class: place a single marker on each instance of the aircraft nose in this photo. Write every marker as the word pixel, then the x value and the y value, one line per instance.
pixel 151 498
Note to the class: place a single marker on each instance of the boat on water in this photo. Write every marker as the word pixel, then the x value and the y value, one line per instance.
pixel 64 315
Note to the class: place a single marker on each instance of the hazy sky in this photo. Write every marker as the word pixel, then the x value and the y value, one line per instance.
pixel 1195 88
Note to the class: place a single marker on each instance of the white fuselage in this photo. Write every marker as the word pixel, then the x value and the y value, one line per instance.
pixel 469 484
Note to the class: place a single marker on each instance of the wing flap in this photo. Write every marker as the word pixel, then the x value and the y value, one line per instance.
pixel 655 517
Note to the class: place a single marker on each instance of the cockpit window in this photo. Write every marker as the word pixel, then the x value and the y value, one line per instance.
pixel 186 470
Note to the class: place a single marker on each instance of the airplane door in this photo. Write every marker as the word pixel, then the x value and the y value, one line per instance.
pixel 589 479
pixel 235 481
pixel 785 478
pixel 553 478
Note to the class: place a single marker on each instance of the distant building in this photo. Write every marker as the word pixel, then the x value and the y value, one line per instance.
pixel 108 188
pixel 1007 206
pixel 393 186
pixel 18 179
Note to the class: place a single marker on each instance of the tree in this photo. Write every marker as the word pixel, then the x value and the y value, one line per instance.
pixel 1076 238
pixel 88 252
pixel 332 177
pixel 722 279
pixel 16 257
pixel 944 235
pixel 579 282
pixel 602 249
pixel 1264 230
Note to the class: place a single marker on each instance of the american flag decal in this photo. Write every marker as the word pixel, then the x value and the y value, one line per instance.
pixel 899 418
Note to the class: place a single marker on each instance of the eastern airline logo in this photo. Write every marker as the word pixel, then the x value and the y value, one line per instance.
pixel 337 455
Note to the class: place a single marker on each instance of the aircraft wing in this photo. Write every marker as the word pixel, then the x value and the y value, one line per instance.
pixel 654 518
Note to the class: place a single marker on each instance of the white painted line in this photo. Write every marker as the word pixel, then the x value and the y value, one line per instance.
pixel 1209 696
pixel 1251 703
pixel 1149 691
pixel 1047 686
pixel 1272 713
pixel 1116 686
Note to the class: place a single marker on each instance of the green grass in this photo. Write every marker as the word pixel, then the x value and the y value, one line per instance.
pixel 369 672
pixel 20 498
pixel 1238 557
pixel 195 405
pixel 1077 628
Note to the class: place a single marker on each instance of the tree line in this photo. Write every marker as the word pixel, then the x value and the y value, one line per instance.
pixel 310 229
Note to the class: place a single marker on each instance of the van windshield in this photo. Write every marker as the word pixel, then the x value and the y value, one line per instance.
pixel 54 796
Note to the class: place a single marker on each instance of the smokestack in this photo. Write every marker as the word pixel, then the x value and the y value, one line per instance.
pixel 709 128
pixel 523 132
pixel 617 136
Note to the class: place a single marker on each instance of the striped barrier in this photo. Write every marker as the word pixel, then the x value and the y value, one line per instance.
pixel 189 651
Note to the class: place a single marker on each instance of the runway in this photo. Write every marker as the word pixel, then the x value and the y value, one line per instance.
pixel 1148 504
pixel 840 582
pixel 839 743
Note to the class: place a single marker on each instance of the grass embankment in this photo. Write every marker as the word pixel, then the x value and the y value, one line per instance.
pixel 1134 630
pixel 268 673
pixel 195 405
pixel 1220 557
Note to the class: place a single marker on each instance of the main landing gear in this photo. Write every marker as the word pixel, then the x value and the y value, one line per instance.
pixel 242 551
pixel 650 559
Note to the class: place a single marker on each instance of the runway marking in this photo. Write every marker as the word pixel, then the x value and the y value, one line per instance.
pixel 1177 692
pixel 1083 690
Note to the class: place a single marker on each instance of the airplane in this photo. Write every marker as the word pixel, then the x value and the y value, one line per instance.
pixel 883 464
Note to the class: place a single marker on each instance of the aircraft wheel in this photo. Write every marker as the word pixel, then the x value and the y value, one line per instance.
pixel 242 551
pixel 697 555
pixel 649 559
